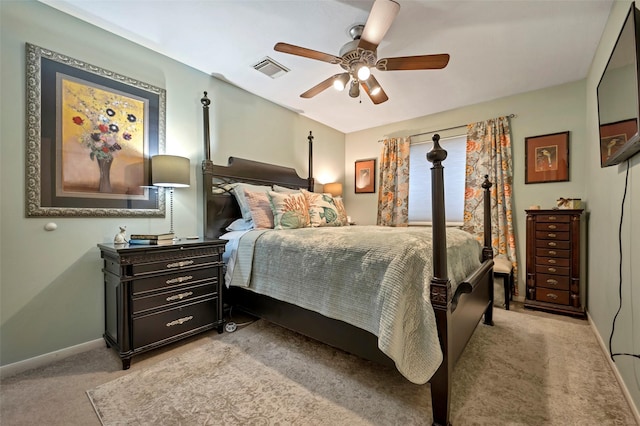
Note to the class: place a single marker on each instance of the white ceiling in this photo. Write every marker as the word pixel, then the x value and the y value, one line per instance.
pixel 497 48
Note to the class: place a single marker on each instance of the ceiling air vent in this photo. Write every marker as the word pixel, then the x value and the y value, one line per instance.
pixel 269 67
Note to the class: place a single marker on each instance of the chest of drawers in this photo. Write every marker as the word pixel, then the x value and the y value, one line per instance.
pixel 155 295
pixel 553 261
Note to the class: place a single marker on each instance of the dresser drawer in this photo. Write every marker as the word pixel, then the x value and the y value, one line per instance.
pixel 553 227
pixel 562 245
pixel 173 263
pixel 553 270
pixel 557 282
pixel 154 328
pixel 555 218
pixel 547 252
pixel 552 261
pixel 552 296
pixel 164 281
pixel 549 235
pixel 175 296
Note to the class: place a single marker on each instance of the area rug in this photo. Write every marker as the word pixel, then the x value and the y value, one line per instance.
pixel 525 370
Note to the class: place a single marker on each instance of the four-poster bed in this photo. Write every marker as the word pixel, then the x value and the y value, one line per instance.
pixel 457 311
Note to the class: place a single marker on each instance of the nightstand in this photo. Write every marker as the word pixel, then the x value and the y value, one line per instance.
pixel 156 295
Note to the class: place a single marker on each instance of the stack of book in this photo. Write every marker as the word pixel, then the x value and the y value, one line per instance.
pixel 152 239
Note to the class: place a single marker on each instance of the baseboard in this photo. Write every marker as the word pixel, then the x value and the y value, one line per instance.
pixel 616 373
pixel 42 360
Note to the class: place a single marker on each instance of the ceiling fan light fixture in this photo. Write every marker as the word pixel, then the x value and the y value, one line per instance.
pixel 373 88
pixel 363 72
pixel 340 81
pixel 354 90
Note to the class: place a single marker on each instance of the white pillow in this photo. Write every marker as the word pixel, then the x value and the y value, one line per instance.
pixel 240 225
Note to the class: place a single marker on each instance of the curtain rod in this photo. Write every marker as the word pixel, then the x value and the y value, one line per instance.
pixel 448 128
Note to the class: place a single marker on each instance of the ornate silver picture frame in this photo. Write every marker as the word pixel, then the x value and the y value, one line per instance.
pixel 90 136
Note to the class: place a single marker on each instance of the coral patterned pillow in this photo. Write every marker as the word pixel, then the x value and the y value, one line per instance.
pixel 322 210
pixel 342 212
pixel 290 210
pixel 260 207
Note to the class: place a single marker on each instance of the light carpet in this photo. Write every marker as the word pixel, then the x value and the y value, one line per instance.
pixel 526 370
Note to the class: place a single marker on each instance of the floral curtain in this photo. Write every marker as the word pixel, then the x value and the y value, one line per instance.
pixel 489 153
pixel 393 195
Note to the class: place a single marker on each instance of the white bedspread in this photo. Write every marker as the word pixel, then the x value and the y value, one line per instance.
pixel 375 278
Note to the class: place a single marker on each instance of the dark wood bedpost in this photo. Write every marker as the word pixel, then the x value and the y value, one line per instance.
pixel 207 167
pixel 487 250
pixel 311 180
pixel 440 288
pixel 205 119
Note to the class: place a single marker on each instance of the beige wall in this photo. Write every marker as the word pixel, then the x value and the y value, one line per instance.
pixel 51 293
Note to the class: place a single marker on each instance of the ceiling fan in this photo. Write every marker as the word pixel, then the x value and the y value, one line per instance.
pixel 358 56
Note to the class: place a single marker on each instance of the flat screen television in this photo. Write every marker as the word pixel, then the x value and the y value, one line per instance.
pixel 618 96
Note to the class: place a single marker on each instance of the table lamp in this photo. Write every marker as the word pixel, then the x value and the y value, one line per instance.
pixel 334 188
pixel 170 171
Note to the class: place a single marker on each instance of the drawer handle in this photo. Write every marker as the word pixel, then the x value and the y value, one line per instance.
pixel 179 296
pixel 552 244
pixel 179 321
pixel 180 264
pixel 552 296
pixel 552 252
pixel 179 280
pixel 553 282
pixel 551 235
pixel 552 227
pixel 552 261
pixel 552 218
pixel 552 269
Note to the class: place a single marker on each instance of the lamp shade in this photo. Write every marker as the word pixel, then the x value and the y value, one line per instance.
pixel 335 189
pixel 170 171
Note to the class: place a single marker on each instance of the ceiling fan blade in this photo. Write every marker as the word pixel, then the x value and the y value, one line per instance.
pixel 378 23
pixel 319 87
pixel 306 53
pixel 369 87
pixel 424 62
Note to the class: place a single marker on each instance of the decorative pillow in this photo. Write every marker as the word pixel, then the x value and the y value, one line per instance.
pixel 238 192
pixel 260 207
pixel 290 210
pixel 240 225
pixel 322 210
pixel 278 188
pixel 342 212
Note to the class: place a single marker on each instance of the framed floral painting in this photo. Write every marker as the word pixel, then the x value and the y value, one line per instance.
pixel 90 136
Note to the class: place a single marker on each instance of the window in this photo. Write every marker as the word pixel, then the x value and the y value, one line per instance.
pixel 420 181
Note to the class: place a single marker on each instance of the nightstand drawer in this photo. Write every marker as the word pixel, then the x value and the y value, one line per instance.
pixel 553 270
pixel 166 299
pixel 178 261
pixel 180 278
pixel 557 282
pixel 549 235
pixel 552 296
pixel 156 327
pixel 552 261
pixel 545 252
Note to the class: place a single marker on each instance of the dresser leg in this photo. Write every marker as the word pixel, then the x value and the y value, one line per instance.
pixel 126 363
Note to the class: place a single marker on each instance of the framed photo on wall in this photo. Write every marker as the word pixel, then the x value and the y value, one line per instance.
pixel 547 158
pixel 613 136
pixel 90 136
pixel 365 176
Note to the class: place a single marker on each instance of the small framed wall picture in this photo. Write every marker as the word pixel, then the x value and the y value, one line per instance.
pixel 547 158
pixel 365 176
